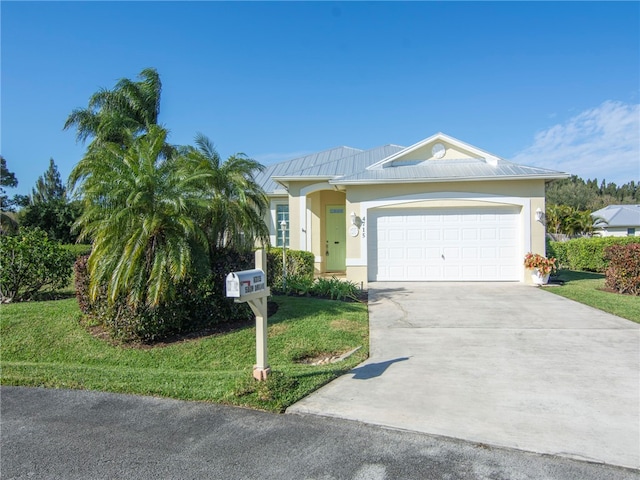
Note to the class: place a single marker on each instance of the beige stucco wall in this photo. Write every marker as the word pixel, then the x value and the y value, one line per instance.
pixel 424 153
pixel 307 227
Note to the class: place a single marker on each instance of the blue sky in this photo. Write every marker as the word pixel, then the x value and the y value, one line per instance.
pixel 549 84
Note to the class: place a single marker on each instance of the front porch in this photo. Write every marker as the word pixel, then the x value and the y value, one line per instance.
pixel 321 229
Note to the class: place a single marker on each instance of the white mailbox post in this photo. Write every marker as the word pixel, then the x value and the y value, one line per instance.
pixel 250 286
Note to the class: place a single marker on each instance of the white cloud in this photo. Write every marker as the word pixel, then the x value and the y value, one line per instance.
pixel 602 142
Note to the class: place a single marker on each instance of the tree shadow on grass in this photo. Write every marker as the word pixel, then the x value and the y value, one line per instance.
pixel 570 275
pixel 48 296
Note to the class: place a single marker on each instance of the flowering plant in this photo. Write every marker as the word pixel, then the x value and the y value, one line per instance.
pixel 536 261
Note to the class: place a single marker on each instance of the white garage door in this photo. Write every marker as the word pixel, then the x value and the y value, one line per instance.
pixel 471 244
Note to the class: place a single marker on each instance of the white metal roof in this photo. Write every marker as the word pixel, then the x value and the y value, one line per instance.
pixel 388 164
pixel 620 215
pixel 286 168
pixel 449 170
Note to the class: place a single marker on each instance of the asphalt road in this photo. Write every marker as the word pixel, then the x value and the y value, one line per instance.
pixel 61 434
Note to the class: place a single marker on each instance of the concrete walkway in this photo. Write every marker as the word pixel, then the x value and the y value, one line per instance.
pixel 502 364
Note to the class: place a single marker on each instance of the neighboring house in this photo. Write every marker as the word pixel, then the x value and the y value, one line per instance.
pixel 439 210
pixel 621 221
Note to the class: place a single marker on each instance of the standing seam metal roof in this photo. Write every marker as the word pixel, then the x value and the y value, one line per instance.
pixel 620 215
pixel 433 170
pixel 264 178
pixel 347 165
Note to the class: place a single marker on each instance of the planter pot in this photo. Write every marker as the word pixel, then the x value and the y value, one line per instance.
pixel 538 278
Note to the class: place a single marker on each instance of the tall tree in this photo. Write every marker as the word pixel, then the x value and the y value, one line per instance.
pixel 577 193
pixel 49 209
pixel 130 107
pixel 236 204
pixel 49 186
pixel 138 209
pixel 7 179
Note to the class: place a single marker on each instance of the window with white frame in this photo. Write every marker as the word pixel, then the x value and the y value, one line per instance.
pixel 631 232
pixel 282 213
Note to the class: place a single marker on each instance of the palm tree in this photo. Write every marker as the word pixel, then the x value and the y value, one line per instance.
pixel 556 216
pixel 138 210
pixel 236 204
pixel 581 222
pixel 129 107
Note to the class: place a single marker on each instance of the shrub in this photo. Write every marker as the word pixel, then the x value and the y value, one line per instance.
pixel 297 285
pixel 200 303
pixel 77 249
pixel 335 289
pixel 623 272
pixel 299 264
pixel 558 250
pixel 586 253
pixel 31 262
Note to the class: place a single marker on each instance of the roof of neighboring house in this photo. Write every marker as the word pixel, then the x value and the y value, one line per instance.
pixel 396 164
pixel 619 215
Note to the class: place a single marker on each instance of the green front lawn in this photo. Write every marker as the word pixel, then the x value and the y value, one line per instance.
pixel 587 288
pixel 44 345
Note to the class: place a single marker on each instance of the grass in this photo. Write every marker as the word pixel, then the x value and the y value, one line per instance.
pixel 43 345
pixel 588 288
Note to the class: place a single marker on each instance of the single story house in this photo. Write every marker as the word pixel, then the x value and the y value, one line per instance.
pixel 439 210
pixel 621 221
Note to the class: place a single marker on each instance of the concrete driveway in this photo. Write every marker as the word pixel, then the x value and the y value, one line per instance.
pixel 502 364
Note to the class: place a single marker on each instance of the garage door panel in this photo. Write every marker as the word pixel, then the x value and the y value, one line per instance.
pixel 470 272
pixel 469 234
pixel 414 235
pixel 432 234
pixel 488 233
pixel 415 271
pixel 489 253
pixel 507 233
pixel 452 271
pixel 396 235
pixel 445 245
pixel 451 234
pixel 469 253
pixel 451 253
pixel 507 252
pixel 488 271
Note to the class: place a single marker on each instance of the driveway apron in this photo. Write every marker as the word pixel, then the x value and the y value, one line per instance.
pixel 500 363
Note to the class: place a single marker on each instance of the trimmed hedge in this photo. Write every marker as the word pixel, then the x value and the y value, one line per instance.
pixel 586 254
pixel 623 272
pixel 299 265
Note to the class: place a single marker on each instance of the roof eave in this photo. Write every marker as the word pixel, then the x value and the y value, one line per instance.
pixel 447 179
pixel 311 178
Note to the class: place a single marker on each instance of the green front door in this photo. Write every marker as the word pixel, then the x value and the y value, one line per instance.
pixel 336 238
